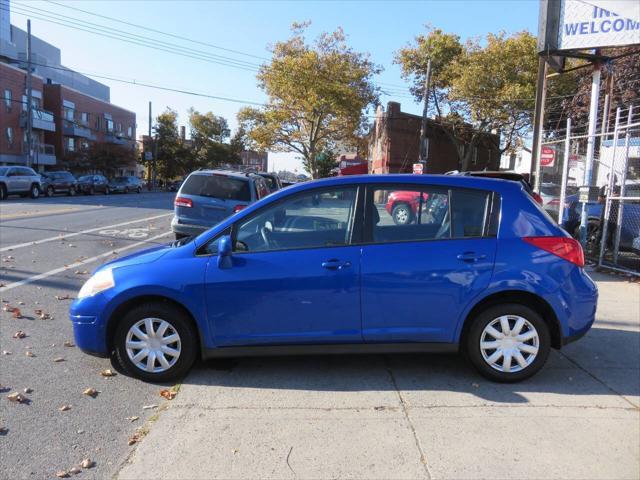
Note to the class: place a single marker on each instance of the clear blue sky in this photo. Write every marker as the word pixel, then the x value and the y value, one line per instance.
pixel 377 27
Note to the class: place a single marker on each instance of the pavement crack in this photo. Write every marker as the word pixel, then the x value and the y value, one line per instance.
pixel 403 404
pixel 289 465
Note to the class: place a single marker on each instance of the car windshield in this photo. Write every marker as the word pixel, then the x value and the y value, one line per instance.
pixel 86 178
pixel 120 180
pixel 271 182
pixel 217 186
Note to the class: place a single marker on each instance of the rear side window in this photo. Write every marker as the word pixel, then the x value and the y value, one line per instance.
pixel 468 210
pixel 217 186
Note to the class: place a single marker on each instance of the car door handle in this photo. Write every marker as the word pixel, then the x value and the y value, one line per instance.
pixel 335 264
pixel 471 257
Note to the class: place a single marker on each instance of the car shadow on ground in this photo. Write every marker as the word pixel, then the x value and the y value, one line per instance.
pixel 577 370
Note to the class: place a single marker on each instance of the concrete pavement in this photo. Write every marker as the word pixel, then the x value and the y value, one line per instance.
pixel 410 416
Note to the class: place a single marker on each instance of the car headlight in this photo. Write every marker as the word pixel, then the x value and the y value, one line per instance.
pixel 103 280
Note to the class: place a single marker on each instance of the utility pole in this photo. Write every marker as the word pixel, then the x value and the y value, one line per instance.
pixel 29 95
pixel 424 141
pixel 538 121
pixel 149 145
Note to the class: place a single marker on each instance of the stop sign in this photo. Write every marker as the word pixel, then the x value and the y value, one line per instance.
pixel 417 168
pixel 547 157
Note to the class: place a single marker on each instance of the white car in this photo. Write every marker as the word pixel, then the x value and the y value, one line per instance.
pixel 19 181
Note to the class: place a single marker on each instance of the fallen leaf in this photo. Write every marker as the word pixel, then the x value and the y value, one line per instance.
pixel 80 432
pixel 68 344
pixel 19 334
pixel 81 272
pixel 475 385
pixel 64 408
pixel 87 463
pixel 91 392
pixel 133 419
pixel 75 470
pixel 29 353
pixel 108 373
pixel 6 307
pixel 58 360
pixel 20 303
pixel 133 439
pixel 149 407
pixel 62 474
pixel 27 390
pixel 3 430
pixel 16 397
pixel 6 352
pixel 63 297
pixel 17 313
pixel 168 394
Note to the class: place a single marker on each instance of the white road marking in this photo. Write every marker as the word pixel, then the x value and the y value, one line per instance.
pixel 126 232
pixel 83 232
pixel 71 266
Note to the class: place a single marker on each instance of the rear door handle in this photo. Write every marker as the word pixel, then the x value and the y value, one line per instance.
pixel 471 257
pixel 335 264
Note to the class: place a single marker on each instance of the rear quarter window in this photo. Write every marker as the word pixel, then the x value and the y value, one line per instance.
pixel 469 211
pixel 217 186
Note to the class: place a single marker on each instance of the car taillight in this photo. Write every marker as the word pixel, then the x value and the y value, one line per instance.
pixel 566 248
pixel 537 198
pixel 183 202
pixel 239 207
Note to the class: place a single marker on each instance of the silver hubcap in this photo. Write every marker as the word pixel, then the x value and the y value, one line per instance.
pixel 509 343
pixel 153 345
pixel 402 215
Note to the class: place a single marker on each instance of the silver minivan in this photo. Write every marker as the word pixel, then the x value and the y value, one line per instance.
pixel 19 181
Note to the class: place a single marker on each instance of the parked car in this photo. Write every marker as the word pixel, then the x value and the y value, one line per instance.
pixel 19 181
pixel 312 269
pixel 90 184
pixel 59 182
pixel 125 185
pixel 550 193
pixel 630 222
pixel 174 186
pixel 273 181
pixel 403 206
pixel 505 175
pixel 209 196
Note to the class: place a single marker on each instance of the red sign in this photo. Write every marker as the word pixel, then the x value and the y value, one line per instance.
pixel 547 157
pixel 417 168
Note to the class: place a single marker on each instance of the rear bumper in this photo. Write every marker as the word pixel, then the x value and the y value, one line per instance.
pixel 185 228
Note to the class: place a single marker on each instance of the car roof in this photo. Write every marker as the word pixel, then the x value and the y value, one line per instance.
pixel 226 173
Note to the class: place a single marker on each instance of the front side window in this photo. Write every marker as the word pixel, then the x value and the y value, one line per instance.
pixel 315 219
pixel 419 213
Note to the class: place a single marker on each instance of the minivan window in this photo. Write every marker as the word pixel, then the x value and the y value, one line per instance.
pixel 217 186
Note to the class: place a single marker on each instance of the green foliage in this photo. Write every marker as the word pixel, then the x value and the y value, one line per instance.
pixel 317 96
pixel 208 136
pixel 325 162
pixel 99 157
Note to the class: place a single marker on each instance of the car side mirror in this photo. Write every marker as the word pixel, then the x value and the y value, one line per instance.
pixel 224 252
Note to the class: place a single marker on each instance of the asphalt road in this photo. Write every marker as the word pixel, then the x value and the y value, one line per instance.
pixel 48 248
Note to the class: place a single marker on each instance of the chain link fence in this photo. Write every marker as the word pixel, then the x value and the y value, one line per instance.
pixel 611 238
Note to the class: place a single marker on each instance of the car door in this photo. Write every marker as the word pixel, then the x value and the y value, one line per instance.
pixel 294 276
pixel 417 277
pixel 22 179
pixel 13 180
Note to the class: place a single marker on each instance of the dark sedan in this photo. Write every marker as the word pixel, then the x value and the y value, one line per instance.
pixel 90 184
pixel 125 185
pixel 58 182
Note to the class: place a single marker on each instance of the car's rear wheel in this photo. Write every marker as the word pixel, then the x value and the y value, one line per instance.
pixel 72 191
pixel 35 191
pixel 508 343
pixel 156 342
pixel 3 192
pixel 92 191
pixel 50 191
pixel 126 189
pixel 402 214
pixel 138 190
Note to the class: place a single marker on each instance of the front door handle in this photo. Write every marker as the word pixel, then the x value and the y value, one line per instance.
pixel 335 264
pixel 471 257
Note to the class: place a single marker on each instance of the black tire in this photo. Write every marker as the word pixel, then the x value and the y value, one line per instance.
pixel 179 321
pixel 50 191
pixel 402 214
pixel 92 191
pixel 594 237
pixel 3 191
pixel 138 190
pixel 72 191
pixel 126 189
pixel 482 320
pixel 34 191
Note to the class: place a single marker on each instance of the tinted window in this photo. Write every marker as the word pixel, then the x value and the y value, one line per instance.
pixel 85 178
pixel 468 209
pixel 409 214
pixel 25 171
pixel 217 186
pixel 3 171
pixel 309 220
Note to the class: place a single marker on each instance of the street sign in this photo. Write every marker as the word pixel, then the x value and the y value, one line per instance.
pixel 418 168
pixel 547 157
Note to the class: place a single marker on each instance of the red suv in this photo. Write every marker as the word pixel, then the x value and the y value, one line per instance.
pixel 403 206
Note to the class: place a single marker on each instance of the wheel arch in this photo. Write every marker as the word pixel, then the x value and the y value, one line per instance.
pixel 133 302
pixel 531 300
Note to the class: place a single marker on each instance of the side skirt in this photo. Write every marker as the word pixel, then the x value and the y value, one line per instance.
pixel 330 349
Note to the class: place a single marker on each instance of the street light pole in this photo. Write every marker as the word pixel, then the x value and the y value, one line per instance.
pixel 424 146
pixel 29 100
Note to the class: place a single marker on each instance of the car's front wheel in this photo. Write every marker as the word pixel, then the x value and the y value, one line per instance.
pixel 35 191
pixel 508 343
pixel 156 342
pixel 402 214
pixel 72 191
pixel 3 192
pixel 50 191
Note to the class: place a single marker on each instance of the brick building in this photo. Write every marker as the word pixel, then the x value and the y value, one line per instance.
pixel 395 145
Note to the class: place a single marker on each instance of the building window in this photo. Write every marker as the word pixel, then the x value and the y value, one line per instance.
pixel 84 118
pixel 10 137
pixel 7 99
pixel 69 113
pixel 130 132
pixel 70 144
pixel 98 123
pixel 109 125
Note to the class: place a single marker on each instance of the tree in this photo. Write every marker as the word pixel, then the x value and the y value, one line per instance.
pixel 171 154
pixel 325 162
pixel 489 85
pixel 209 134
pixel 317 96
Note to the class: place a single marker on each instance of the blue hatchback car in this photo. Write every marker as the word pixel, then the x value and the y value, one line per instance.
pixel 321 267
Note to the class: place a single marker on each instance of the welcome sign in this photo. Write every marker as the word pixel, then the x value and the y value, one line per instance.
pixel 586 24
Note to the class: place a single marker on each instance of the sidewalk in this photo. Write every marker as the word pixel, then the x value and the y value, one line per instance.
pixel 410 416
